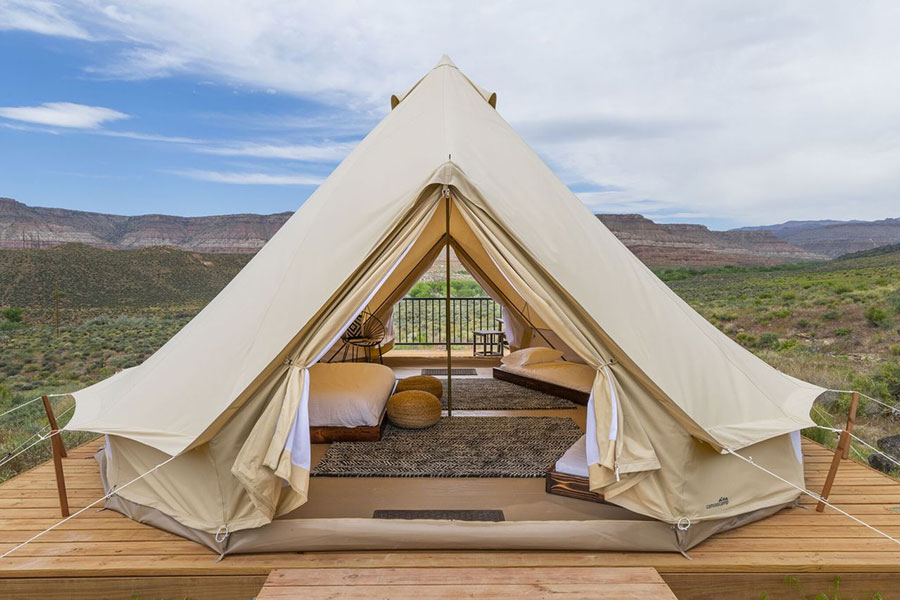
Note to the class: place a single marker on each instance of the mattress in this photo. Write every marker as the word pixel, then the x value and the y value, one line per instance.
pixel 348 394
pixel 574 461
pixel 571 375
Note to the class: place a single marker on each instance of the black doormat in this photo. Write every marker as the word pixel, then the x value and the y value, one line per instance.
pixel 443 372
pixel 442 515
pixel 456 447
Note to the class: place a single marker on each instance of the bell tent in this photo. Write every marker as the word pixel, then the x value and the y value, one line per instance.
pixel 227 396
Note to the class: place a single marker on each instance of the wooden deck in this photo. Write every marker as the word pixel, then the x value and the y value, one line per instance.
pixel 601 583
pixel 103 554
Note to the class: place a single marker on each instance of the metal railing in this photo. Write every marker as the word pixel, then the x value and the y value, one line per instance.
pixel 420 321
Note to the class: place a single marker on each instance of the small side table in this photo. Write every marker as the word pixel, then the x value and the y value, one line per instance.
pixel 490 341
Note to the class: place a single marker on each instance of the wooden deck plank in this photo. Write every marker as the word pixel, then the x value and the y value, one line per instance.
pixel 433 583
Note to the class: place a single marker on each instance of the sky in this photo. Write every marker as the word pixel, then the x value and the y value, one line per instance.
pixel 722 113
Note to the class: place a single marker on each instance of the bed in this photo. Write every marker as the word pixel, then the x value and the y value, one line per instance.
pixel 531 368
pixel 347 401
pixel 569 476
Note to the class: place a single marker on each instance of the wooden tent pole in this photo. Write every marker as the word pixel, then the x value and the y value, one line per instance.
pixel 841 451
pixel 59 451
pixel 851 421
pixel 51 418
pixel 447 305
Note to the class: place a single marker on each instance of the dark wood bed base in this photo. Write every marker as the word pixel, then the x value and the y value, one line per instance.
pixel 571 486
pixel 576 396
pixel 364 433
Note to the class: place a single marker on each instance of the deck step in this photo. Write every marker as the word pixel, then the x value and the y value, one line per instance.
pixel 624 583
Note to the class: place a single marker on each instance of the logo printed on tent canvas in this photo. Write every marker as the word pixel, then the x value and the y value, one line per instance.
pixel 723 501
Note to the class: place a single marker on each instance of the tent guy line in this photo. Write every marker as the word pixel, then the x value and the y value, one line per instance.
pixel 91 505
pixel 749 460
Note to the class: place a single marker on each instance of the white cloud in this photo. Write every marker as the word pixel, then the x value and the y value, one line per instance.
pixel 243 178
pixel 303 152
pixel 63 114
pixel 751 112
pixel 39 16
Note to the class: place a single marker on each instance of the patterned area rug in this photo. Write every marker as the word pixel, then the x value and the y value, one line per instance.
pixel 457 447
pixel 494 394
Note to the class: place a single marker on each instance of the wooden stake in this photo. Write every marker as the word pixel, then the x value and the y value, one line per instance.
pixel 56 445
pixel 52 419
pixel 851 421
pixel 843 442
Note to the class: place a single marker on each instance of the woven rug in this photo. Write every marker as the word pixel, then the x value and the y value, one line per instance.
pixel 457 447
pixel 494 394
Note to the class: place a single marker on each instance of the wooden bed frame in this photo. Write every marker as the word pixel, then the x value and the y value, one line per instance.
pixel 363 433
pixel 576 396
pixel 571 486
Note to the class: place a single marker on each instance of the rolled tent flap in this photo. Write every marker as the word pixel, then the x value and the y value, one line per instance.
pixel 620 452
pixel 264 461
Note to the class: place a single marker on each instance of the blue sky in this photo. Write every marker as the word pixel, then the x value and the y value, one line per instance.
pixel 165 156
pixel 719 113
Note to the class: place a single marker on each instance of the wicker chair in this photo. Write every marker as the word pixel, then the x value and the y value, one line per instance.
pixel 366 332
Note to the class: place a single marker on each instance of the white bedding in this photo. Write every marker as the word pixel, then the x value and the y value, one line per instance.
pixel 576 376
pixel 348 394
pixel 574 461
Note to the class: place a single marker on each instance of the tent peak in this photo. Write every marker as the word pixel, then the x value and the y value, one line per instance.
pixel 445 62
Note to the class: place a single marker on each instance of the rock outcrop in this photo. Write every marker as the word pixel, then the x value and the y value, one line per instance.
pixel 886 460
pixel 24 226
pixel 660 244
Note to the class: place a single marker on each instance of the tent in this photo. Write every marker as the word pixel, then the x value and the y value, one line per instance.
pixel 227 395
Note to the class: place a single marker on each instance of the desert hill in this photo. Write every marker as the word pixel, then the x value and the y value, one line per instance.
pixel 23 227
pixel 834 238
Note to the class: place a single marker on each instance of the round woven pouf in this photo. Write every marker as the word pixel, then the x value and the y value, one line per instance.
pixel 423 383
pixel 414 409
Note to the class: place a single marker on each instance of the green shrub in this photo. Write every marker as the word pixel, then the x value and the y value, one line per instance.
pixel 831 315
pixel 767 340
pixel 726 317
pixel 875 316
pixel 745 339
pixel 895 350
pixel 803 324
pixel 842 289
pixel 842 331
pixel 13 314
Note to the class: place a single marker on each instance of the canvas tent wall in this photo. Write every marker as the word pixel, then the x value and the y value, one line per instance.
pixel 228 393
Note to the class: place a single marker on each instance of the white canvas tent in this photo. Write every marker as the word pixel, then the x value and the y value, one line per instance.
pixel 227 394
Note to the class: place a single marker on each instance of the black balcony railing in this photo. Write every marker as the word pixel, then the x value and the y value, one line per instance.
pixel 421 321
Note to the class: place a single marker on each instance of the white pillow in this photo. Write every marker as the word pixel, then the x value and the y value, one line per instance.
pixel 530 356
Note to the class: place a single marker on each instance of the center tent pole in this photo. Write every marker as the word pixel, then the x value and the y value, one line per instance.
pixel 447 303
